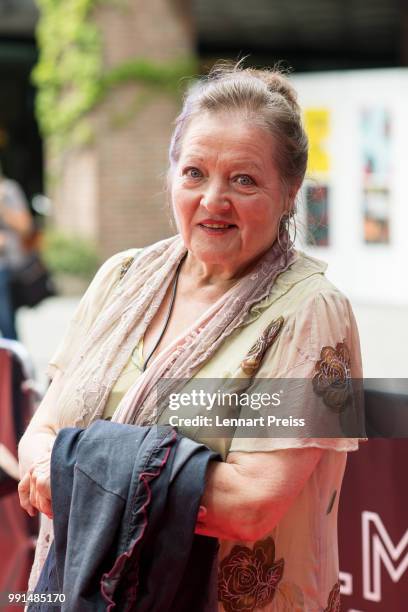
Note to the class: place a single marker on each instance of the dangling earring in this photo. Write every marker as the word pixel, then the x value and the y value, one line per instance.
pixel 284 232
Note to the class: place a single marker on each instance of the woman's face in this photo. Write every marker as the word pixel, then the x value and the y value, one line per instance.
pixel 226 191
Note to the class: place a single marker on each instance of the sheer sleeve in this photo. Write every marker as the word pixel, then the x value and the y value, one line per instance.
pixel 92 302
pixel 317 361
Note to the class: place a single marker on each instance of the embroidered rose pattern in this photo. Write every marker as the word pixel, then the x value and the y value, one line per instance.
pixel 332 376
pixel 248 578
pixel 254 357
pixel 333 603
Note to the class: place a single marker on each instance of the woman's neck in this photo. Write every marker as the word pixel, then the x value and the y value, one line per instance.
pixel 201 275
pixel 205 275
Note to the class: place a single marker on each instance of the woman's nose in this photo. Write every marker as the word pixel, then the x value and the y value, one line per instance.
pixel 215 199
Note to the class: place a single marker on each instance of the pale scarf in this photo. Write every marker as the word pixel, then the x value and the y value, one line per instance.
pixel 120 326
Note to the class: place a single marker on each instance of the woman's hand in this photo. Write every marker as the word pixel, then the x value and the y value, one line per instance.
pixel 34 488
pixel 34 453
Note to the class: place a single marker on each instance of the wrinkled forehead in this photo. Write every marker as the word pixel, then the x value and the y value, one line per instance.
pixel 229 135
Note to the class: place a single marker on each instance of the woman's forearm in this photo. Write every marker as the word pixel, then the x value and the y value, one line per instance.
pixel 247 496
pixel 42 429
pixel 33 446
pixel 232 509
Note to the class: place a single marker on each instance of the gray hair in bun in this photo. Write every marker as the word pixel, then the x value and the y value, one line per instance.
pixel 265 97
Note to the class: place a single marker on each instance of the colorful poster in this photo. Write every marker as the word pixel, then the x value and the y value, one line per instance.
pixel 317 125
pixel 376 154
pixel 376 203
pixel 317 215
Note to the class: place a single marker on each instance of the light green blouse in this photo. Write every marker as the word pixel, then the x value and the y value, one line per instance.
pixel 130 373
pixel 295 567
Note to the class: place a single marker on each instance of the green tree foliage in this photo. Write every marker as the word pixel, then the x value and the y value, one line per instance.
pixel 69 254
pixel 70 76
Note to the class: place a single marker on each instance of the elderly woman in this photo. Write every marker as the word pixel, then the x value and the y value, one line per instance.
pixel 227 298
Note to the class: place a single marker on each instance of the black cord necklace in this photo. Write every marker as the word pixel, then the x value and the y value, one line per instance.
pixel 170 310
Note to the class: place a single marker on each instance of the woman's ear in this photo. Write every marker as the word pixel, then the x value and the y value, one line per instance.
pixel 293 191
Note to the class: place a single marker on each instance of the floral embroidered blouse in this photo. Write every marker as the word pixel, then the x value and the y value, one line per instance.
pixel 305 329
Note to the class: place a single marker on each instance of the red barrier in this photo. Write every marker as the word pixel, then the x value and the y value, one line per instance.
pixel 373 528
pixel 16 527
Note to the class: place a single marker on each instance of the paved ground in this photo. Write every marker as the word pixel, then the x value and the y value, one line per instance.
pixel 42 328
pixel 383 332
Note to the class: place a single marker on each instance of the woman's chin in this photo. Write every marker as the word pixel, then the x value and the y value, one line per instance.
pixel 214 256
pixel 214 250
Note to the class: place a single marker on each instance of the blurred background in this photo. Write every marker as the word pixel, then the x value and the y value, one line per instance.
pixel 88 93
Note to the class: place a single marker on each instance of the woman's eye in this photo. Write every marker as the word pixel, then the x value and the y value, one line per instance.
pixel 192 173
pixel 244 179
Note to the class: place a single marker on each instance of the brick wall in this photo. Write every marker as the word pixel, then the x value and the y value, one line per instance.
pixel 114 191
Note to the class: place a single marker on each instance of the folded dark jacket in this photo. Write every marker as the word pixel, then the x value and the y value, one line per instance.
pixel 125 502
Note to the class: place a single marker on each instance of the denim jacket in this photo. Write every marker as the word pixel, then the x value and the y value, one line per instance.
pixel 125 502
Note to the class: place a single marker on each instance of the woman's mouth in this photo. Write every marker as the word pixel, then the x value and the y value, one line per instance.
pixel 217 228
